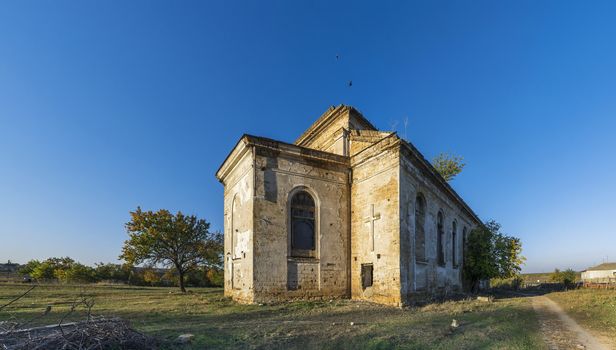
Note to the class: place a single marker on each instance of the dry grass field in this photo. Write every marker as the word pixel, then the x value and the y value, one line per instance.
pixel 218 322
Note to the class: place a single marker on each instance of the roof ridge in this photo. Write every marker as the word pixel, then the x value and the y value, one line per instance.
pixel 328 115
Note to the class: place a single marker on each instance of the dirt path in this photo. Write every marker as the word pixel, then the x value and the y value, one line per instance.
pixel 561 331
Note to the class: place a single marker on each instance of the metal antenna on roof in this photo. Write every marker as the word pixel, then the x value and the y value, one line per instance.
pixel 393 125
pixel 406 123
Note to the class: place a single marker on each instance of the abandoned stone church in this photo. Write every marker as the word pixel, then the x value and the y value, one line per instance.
pixel 347 211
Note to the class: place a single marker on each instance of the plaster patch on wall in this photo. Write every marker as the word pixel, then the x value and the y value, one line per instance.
pixel 242 243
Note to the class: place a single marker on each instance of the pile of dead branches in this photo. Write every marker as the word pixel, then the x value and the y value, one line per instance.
pixel 95 332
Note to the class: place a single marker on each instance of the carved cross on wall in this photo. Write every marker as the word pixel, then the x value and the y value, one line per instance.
pixel 370 220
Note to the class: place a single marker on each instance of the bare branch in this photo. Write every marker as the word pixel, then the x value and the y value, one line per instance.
pixel 19 297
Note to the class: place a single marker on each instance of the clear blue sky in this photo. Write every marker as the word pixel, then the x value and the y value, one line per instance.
pixel 107 105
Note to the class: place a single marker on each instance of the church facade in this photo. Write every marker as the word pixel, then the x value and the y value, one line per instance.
pixel 346 211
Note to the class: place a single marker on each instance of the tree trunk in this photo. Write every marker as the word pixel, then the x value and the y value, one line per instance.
pixel 475 286
pixel 181 273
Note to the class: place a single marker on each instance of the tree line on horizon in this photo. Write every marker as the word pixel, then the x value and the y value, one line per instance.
pixel 67 270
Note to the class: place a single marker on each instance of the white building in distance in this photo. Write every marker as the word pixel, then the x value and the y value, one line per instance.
pixel 603 273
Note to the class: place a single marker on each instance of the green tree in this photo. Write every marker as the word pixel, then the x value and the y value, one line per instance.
pixel 448 165
pixel 508 254
pixel 52 268
pixel 569 277
pixel 491 254
pixel 29 267
pixel 44 271
pixel 179 241
pixel 78 273
pixel 111 272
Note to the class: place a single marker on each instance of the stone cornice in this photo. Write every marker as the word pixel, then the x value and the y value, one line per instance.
pixel 295 150
pixel 232 159
pixel 248 142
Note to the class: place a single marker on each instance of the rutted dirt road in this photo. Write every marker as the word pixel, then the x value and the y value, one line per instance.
pixel 561 331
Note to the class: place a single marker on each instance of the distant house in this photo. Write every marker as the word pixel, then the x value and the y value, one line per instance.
pixel 604 273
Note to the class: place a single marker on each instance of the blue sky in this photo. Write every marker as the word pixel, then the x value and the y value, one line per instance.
pixel 107 105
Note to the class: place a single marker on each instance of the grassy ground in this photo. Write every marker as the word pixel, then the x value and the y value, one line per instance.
pixel 594 309
pixel 220 323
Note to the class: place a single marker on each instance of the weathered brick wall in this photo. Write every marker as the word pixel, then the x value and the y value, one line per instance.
pixel 278 276
pixel 360 140
pixel 238 233
pixel 375 201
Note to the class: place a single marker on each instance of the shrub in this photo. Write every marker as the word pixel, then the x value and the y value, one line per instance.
pixel 507 283
pixel 566 277
pixel 79 273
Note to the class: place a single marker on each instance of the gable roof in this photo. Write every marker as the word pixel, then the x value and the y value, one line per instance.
pixel 330 115
pixel 604 266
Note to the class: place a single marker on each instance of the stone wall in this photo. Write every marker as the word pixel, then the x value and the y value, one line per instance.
pixel 375 224
pixel 428 277
pixel 238 229
pixel 277 275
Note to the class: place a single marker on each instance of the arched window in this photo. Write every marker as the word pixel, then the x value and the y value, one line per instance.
pixel 420 234
pixel 303 238
pixel 454 246
pixel 440 232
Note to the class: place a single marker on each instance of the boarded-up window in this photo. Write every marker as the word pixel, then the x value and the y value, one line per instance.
pixel 366 275
pixel 303 240
pixel 420 233
pixel 440 232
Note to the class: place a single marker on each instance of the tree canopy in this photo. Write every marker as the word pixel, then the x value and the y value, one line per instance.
pixel 179 241
pixel 491 254
pixel 448 165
